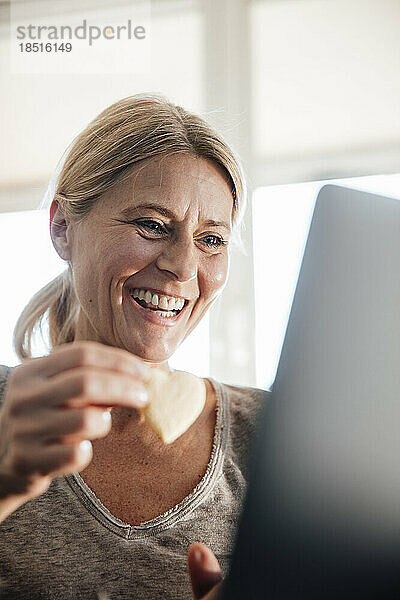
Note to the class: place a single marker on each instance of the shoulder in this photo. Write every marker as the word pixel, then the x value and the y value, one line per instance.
pixel 245 403
pixel 245 407
pixel 4 375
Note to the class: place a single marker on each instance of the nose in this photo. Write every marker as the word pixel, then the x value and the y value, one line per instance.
pixel 179 258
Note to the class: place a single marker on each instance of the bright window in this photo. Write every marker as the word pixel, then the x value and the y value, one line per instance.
pixel 281 219
pixel 326 77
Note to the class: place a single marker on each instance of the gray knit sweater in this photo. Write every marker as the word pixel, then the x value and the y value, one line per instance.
pixel 66 545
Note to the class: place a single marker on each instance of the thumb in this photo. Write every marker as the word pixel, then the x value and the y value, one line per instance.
pixel 204 569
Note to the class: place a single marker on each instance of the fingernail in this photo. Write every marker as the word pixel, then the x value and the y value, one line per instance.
pixel 142 397
pixel 85 446
pixel 107 416
pixel 198 556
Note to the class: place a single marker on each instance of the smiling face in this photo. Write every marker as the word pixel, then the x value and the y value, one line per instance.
pixel 161 233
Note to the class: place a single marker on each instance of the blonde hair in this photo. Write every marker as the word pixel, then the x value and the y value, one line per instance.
pixel 133 129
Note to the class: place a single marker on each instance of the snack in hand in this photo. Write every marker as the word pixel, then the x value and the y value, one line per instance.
pixel 176 399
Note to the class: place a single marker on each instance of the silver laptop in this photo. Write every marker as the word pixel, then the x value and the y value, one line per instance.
pixel 322 513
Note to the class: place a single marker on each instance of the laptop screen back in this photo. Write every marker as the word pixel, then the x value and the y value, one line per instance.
pixel 322 513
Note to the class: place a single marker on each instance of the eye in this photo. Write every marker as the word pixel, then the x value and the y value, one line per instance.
pixel 214 242
pixel 150 226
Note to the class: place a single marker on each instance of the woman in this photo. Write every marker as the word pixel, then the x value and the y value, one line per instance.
pixel 148 199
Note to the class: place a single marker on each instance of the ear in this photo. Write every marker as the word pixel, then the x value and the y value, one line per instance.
pixel 60 230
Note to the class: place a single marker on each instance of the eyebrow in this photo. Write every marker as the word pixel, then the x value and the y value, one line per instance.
pixel 130 211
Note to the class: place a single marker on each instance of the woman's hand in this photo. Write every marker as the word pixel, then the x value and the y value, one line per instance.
pixel 205 572
pixel 54 403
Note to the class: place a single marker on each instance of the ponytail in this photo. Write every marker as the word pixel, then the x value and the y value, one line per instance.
pixel 58 301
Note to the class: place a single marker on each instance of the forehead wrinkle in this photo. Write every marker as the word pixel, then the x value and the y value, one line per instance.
pixel 203 212
pixel 201 182
pixel 153 177
pixel 148 178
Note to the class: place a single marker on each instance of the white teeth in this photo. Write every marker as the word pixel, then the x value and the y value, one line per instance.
pixel 163 303
pixel 179 302
pixel 167 303
pixel 164 313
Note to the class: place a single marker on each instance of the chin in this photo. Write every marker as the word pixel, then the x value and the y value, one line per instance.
pixel 158 354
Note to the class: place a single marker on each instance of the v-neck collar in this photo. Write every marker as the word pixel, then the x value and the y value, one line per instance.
pixel 188 504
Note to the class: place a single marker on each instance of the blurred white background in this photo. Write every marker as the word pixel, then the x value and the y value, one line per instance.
pixel 305 90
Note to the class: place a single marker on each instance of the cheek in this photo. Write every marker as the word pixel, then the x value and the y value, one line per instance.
pixel 131 255
pixel 216 275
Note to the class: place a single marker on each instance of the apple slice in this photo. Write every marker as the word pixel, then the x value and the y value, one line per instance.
pixel 176 400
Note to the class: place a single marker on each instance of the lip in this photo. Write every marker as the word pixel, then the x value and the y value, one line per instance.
pixel 157 319
pixel 160 292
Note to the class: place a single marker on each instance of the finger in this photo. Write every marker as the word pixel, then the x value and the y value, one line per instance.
pixel 204 569
pixel 52 460
pixel 22 486
pixel 64 425
pixel 82 387
pixel 82 455
pixel 215 593
pixel 86 354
